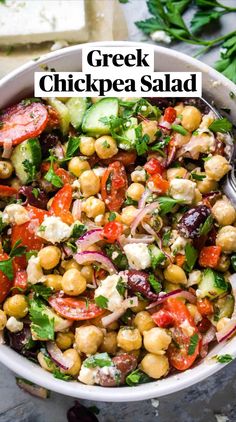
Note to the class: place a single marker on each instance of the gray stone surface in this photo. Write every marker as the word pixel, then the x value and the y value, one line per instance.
pixel 200 403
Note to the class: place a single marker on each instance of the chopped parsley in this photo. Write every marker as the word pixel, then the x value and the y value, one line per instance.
pixel 130 201
pixel 36 192
pixel 121 286
pixel 106 144
pixel 78 230
pixel 114 252
pixel 141 142
pixel 137 377
pixel 101 301
pixel 42 325
pixel 72 147
pixel 191 255
pixel 221 125
pixel 59 375
pixel 112 216
pixel 193 344
pixel 180 129
pixel 206 226
pixel 166 238
pixel 40 290
pixel 224 358
pixel 100 360
pixel 156 285
pixel 199 177
pixel 6 266
pixel 51 176
pixel 167 204
pixel 30 169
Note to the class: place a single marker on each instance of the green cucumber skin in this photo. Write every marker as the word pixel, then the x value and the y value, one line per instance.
pixel 28 150
pixel 104 108
pixel 63 113
pixel 77 108
pixel 212 284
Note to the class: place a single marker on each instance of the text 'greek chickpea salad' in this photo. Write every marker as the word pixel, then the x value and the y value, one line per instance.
pixel 118 247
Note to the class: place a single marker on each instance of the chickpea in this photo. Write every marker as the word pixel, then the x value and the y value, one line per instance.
pixel 71 263
pixel 149 127
pixel 156 340
pixel 206 185
pixel 143 321
pixel 174 173
pixel 222 323
pixel 44 363
pixel 109 343
pixel 65 340
pixel 142 304
pixel 106 147
pixel 170 287
pixel 54 281
pixel 6 169
pixel 191 118
pixel 223 264
pixel 87 146
pixel 16 306
pixel 49 203
pixel 129 339
pixel 74 356
pixel 78 165
pixel 216 167
pixel 128 214
pixel 90 183
pixel 88 339
pixel 175 274
pixel 194 313
pixel 73 283
pixel 3 320
pixel 87 272
pixel 93 207
pixel 135 191
pixel 226 238
pixel 156 366
pixel 49 257
pixel 224 212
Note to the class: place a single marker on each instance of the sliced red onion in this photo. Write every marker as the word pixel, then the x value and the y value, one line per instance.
pixel 228 330
pixel 7 148
pixel 148 209
pixel 149 229
pixel 174 294
pixel 171 156
pixel 33 389
pixel 57 356
pixel 209 336
pixel 160 246
pixel 142 201
pixel 77 209
pixel 88 239
pixel 164 125
pixel 91 256
pixel 114 316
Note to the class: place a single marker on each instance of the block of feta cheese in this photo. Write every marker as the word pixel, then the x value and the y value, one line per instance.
pixel 36 21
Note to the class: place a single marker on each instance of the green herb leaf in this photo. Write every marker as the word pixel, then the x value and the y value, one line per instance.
pixel 233 261
pixel 141 142
pixel 156 285
pixel 137 377
pixel 167 204
pixel 224 358
pixel 166 238
pixel 101 301
pixel 121 286
pixel 30 169
pixel 206 226
pixel 17 250
pixel 180 129
pixel 100 360
pixel 114 252
pixel 221 125
pixel 78 230
pixel 41 290
pixel 196 176
pixel 51 176
pixel 42 325
pixel 35 192
pixel 191 255
pixel 112 216
pixel 203 18
pixel 72 147
pixel 59 375
pixel 7 268
pixel 130 201
pixel 193 344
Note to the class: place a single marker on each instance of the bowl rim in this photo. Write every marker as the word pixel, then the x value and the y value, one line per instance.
pixel 34 373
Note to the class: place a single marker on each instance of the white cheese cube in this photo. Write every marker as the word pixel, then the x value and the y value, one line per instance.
pixel 108 289
pixel 14 325
pixel 34 270
pixel 54 230
pixel 88 375
pixel 15 214
pixel 138 256
pixel 183 190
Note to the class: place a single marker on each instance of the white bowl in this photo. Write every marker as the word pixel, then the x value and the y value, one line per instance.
pixel 19 84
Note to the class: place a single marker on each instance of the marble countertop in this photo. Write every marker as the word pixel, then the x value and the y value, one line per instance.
pixel 199 403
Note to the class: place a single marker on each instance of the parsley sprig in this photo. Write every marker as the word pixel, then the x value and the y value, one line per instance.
pixel 51 176
pixel 6 266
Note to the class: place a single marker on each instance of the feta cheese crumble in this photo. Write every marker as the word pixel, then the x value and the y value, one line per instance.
pixel 138 256
pixel 14 325
pixel 54 230
pixel 108 289
pixel 182 190
pixel 88 375
pixel 161 36
pixel 34 270
pixel 15 214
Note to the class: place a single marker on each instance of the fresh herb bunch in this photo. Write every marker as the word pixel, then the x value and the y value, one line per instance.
pixel 168 16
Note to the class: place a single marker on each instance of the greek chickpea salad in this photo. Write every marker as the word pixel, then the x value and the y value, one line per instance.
pixel 118 247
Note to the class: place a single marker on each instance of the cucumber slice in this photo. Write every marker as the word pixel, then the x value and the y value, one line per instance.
pixel 212 285
pixel 77 108
pixel 157 256
pixel 26 159
pixel 63 112
pixel 130 135
pixel 224 307
pixel 106 107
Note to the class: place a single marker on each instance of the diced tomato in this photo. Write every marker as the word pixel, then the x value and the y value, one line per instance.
pixel 162 318
pixel 53 118
pixel 20 282
pixel 6 191
pixel 27 233
pixel 153 166
pixel 125 157
pixel 205 307
pixel 74 309
pixel 204 325
pixel 161 185
pixel 65 176
pixel 112 231
pixel 114 185
pixel 61 204
pixel 5 283
pixel 181 355
pixel 180 260
pixel 170 114
pixel 20 122
pixel 209 256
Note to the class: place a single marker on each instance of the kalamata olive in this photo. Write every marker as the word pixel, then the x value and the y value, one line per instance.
pixel 161 102
pixel 47 142
pixel 33 196
pixel 80 413
pixel 138 282
pixel 124 364
pixel 22 342
pixel 192 220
